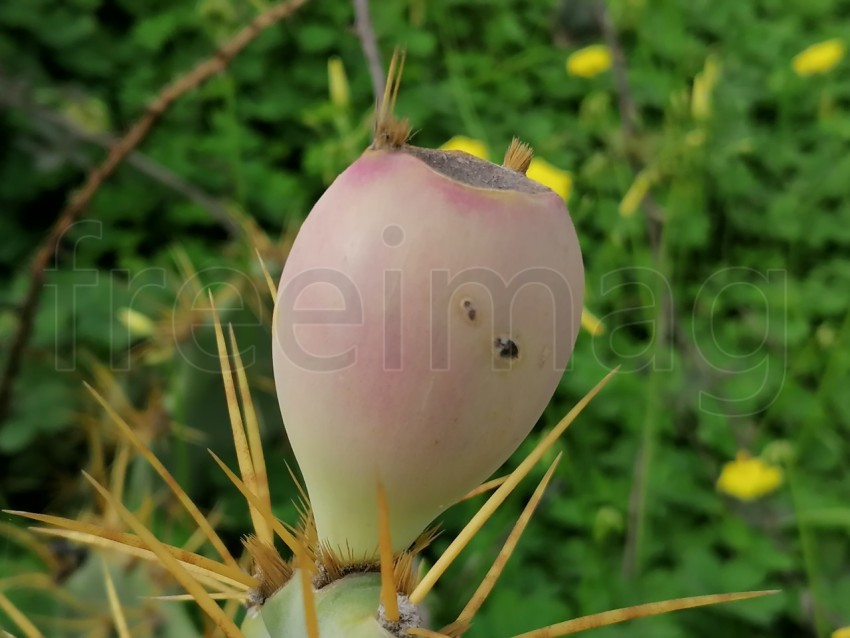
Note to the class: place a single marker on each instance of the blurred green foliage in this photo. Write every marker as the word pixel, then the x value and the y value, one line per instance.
pixel 731 328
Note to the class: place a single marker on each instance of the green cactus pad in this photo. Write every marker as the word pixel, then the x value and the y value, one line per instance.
pixel 347 608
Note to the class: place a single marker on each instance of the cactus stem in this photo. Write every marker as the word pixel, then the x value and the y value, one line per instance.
pixel 464 619
pixel 203 599
pixel 499 496
pixel 426 633
pixel 388 589
pixel 638 611
pixel 167 477
pixel 118 619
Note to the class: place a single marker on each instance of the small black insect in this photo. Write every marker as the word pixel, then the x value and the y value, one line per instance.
pixel 507 348
pixel 68 557
pixel 470 310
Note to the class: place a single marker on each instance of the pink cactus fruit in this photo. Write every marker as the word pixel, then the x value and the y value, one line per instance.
pixel 425 316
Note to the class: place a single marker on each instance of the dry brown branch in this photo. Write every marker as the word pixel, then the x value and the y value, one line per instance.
pixel 15 94
pixel 119 151
pixel 366 33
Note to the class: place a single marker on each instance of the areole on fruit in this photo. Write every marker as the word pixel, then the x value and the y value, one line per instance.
pixel 425 316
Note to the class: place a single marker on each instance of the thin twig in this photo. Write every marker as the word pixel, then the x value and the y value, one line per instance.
pixel 363 25
pixel 14 94
pixel 629 120
pixel 628 112
pixel 119 151
pixel 654 216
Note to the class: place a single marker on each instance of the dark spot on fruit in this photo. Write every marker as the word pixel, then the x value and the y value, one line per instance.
pixel 470 309
pixel 507 348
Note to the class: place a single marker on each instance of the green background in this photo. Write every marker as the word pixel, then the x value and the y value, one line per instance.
pixel 731 329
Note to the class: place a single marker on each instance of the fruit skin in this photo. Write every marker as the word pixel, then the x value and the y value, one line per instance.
pixel 382 370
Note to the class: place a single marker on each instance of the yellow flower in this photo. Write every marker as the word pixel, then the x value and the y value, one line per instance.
pixel 637 191
pixel 467 145
pixel 139 325
pixel 338 83
pixel 818 58
pixel 748 479
pixel 704 84
pixel 843 632
pixel 551 176
pixel 589 61
pixel 591 322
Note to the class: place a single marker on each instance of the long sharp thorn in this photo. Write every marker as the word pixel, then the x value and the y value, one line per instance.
pixel 298 484
pixel 385 108
pixel 187 270
pixel 25 539
pixel 214 578
pixel 166 476
pixel 486 586
pixel 305 568
pixel 44 583
pixel 255 442
pixel 396 81
pixel 489 486
pixel 388 588
pixel 499 496
pixel 182 598
pixel 118 618
pixel 287 537
pixel 202 598
pixel 129 544
pixel 118 476
pixel 17 616
pixel 267 276
pixel 196 540
pixel 638 611
pixel 240 440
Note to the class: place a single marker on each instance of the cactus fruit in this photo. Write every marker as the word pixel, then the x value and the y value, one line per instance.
pixel 426 313
pixel 424 318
